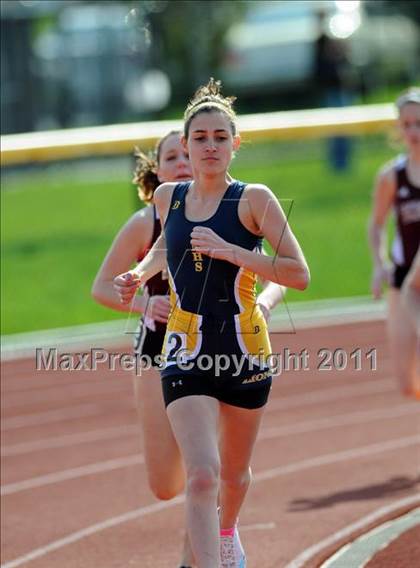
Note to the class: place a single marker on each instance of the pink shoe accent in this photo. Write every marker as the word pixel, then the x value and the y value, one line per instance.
pixel 227 532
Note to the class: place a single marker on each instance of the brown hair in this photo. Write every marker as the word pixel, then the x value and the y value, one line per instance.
pixel 145 172
pixel 208 98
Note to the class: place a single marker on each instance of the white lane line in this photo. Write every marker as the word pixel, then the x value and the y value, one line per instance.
pixel 326 313
pixel 25 383
pixel 50 416
pixel 74 473
pixel 258 477
pixel 69 440
pixel 336 457
pixel 68 339
pixel 266 434
pixel 257 527
pixel 330 394
pixel 63 394
pixel 359 552
pixel 340 420
pixel 315 549
pixel 93 529
pixel 306 399
pixel 315 313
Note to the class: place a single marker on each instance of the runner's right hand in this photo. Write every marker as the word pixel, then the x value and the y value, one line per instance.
pixel 126 285
pixel 381 277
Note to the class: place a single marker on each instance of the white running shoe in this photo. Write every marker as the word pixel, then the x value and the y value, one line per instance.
pixel 232 554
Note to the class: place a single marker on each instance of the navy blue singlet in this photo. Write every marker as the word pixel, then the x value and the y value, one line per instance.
pixel 213 307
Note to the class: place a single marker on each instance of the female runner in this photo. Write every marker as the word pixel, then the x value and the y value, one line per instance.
pixel 215 379
pixel 397 189
pixel 162 458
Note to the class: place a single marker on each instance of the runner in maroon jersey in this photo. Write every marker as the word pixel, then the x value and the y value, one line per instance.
pixel 398 189
pixel 162 457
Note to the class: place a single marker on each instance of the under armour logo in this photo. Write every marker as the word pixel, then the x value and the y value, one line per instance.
pixel 174 383
pixel 176 205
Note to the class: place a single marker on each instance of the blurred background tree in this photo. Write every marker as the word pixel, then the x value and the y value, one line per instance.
pixel 69 63
pixel 410 8
pixel 187 39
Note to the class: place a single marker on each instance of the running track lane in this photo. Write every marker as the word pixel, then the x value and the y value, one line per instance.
pixel 334 448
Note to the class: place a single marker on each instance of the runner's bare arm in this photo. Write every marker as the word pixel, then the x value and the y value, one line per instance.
pixel 155 260
pixel 131 242
pixel 265 217
pixel 127 283
pixel 271 294
pixel 383 197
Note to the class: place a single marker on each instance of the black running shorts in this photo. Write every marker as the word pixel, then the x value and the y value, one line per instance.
pixel 148 342
pixel 398 275
pixel 246 392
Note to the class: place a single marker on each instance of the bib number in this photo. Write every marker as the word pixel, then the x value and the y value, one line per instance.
pixel 174 344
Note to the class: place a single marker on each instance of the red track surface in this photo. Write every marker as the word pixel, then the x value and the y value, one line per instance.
pixel 335 446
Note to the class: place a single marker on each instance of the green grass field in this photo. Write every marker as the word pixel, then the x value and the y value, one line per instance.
pixel 57 224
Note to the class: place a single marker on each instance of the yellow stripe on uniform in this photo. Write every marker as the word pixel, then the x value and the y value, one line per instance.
pixel 252 333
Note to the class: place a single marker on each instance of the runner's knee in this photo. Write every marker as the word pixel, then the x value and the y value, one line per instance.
pixel 203 479
pixel 165 488
pixel 236 479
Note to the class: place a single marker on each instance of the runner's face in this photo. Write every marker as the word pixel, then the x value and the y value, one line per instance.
pixel 409 124
pixel 174 164
pixel 211 143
